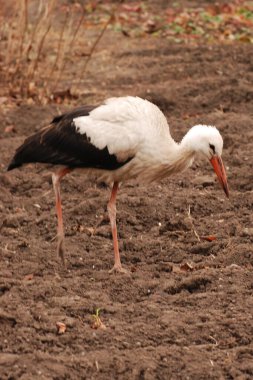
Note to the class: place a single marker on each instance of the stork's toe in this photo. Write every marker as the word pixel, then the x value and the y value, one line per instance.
pixel 119 269
pixel 60 251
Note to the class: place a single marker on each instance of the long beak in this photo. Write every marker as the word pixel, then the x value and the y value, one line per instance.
pixel 219 169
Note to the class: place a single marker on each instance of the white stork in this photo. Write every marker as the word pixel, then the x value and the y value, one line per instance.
pixel 122 139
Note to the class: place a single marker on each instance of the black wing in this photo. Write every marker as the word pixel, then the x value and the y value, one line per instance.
pixel 60 144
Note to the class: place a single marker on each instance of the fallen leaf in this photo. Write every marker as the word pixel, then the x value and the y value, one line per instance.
pixel 150 26
pixel 90 230
pixel 10 128
pixel 186 267
pixel 29 277
pixel 209 238
pixel 61 327
pixel 31 87
pixel 131 8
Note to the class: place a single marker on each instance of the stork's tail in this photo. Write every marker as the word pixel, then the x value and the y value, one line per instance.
pixel 13 164
pixel 29 151
pixel 19 158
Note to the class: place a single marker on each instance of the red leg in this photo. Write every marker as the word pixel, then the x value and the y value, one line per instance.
pixel 111 207
pixel 56 177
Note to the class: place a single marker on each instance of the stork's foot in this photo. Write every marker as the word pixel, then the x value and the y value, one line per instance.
pixel 117 268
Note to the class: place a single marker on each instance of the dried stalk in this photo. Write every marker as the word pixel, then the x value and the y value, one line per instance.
pixel 59 47
pixel 11 48
pixel 24 28
pixel 63 55
pixel 25 45
pixel 77 29
pixel 40 18
pixel 192 225
pixel 9 44
pixel 111 18
pixel 32 39
pixel 72 42
pixel 32 69
pixel 10 28
pixel 108 22
pixel 40 46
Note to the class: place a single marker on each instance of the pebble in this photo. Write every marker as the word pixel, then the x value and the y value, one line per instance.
pixel 247 231
pixel 204 180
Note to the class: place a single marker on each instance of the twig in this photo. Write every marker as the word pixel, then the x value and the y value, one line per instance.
pixel 192 225
pixel 41 43
pixel 24 28
pixel 36 62
pixel 48 15
pixel 63 55
pixel 60 44
pixel 35 28
pixel 107 23
pixel 96 42
pixel 19 44
pixel 11 46
pixel 70 47
pixel 6 249
pixel 31 43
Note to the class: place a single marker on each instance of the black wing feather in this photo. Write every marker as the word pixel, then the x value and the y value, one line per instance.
pixel 69 116
pixel 60 144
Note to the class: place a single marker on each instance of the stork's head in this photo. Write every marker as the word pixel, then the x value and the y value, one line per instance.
pixel 207 141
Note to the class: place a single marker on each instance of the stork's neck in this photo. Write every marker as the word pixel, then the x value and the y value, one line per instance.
pixel 183 155
pixel 168 157
pixel 184 152
pixel 191 144
pixel 172 158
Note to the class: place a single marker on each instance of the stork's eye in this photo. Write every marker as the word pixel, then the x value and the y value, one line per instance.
pixel 212 147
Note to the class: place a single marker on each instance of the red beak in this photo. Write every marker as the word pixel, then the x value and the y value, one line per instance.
pixel 219 169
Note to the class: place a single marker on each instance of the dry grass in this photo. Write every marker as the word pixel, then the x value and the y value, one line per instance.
pixel 39 39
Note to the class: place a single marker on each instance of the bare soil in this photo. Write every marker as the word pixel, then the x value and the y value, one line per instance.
pixel 185 310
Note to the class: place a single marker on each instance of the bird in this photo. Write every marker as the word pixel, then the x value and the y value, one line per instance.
pixel 123 138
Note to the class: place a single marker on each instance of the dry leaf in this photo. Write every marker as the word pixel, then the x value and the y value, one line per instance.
pixel 186 267
pixel 61 327
pixel 10 128
pixel 29 277
pixel 209 238
pixel 150 26
pixel 131 8
pixel 90 230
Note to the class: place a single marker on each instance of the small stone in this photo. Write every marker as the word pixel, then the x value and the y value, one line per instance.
pixel 204 180
pixel 248 231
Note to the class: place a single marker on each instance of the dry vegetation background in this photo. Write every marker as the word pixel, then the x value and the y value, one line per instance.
pixel 42 40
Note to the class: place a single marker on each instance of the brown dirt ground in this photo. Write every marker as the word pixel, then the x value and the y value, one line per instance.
pixel 162 322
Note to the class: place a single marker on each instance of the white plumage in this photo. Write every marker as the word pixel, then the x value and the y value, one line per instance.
pixel 126 126
pixel 130 126
pixel 122 139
